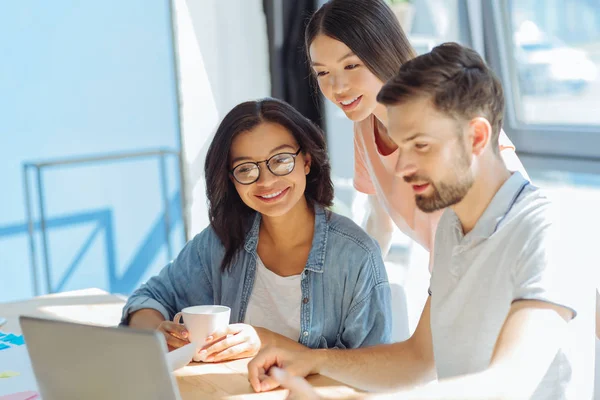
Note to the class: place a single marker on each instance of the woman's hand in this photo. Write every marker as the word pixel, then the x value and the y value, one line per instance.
pixel 176 334
pixel 231 343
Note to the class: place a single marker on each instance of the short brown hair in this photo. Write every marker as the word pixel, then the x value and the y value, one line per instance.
pixel 456 79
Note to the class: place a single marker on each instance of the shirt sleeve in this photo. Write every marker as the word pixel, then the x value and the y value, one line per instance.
pixel 369 320
pixel 542 271
pixel 362 179
pixel 182 283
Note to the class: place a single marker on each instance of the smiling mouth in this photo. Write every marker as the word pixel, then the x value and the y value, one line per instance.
pixel 349 104
pixel 273 196
pixel 270 196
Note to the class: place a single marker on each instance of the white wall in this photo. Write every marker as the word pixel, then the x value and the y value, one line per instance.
pixel 224 60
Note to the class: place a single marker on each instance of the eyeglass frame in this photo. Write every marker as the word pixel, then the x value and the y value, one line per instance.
pixel 294 155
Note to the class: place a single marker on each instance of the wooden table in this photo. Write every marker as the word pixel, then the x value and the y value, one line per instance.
pixel 227 380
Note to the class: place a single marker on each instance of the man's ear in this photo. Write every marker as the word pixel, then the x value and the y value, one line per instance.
pixel 481 134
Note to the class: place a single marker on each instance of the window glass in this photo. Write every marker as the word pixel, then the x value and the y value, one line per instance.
pixel 556 52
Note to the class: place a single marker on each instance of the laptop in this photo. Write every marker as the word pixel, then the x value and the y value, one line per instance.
pixel 75 361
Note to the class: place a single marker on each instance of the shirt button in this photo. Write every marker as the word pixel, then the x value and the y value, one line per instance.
pixel 305 300
pixel 305 333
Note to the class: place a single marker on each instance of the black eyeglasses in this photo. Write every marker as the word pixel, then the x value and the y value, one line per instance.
pixel 280 164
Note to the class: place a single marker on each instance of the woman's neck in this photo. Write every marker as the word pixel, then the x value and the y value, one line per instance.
pixel 381 114
pixel 292 229
pixel 384 142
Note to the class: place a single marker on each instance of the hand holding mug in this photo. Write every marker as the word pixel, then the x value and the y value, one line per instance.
pixel 175 333
pixel 199 323
pixel 231 343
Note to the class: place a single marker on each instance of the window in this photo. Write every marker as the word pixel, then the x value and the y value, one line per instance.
pixel 547 54
pixel 556 51
pixel 576 196
pixel 431 22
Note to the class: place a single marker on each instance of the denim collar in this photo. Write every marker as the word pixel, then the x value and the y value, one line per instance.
pixel 316 257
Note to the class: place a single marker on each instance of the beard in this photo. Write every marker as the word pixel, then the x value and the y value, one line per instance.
pixel 449 192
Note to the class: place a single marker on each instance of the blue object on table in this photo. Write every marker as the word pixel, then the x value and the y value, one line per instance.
pixel 10 339
pixel 17 340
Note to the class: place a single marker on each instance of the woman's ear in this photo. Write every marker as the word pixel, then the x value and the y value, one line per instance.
pixel 307 163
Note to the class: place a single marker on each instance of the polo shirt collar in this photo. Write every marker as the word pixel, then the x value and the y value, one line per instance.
pixel 496 211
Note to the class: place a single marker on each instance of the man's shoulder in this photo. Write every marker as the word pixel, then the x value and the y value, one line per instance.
pixel 531 212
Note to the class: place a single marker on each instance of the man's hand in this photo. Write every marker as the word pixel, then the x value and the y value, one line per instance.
pixel 297 363
pixel 299 388
pixel 231 343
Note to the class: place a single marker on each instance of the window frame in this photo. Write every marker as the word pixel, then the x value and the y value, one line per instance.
pixel 569 142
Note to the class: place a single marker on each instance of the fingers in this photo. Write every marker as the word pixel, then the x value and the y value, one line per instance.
pixel 241 350
pixel 258 377
pixel 175 334
pixel 296 363
pixel 173 342
pixel 299 387
pixel 174 329
pixel 257 368
pixel 231 329
pixel 222 346
pixel 268 383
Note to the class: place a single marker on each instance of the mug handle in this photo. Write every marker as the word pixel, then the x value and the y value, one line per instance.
pixel 177 318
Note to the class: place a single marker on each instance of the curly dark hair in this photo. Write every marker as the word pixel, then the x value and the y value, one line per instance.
pixel 229 216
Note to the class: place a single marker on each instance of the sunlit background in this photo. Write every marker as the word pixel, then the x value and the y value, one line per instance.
pixel 107 107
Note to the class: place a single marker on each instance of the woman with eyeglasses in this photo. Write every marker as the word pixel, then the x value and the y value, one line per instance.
pixel 292 272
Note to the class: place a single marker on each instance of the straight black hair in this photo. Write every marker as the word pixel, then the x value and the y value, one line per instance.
pixel 369 28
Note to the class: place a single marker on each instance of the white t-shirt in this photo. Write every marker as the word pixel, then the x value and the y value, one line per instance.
pixel 512 254
pixel 275 302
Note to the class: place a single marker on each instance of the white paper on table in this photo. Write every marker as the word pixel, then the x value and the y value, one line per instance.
pixel 16 359
pixel 181 357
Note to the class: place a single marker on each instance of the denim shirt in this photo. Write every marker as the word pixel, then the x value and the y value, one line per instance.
pixel 346 300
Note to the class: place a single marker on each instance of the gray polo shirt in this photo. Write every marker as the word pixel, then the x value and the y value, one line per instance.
pixel 508 256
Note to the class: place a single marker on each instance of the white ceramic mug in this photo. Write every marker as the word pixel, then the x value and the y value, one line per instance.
pixel 201 321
